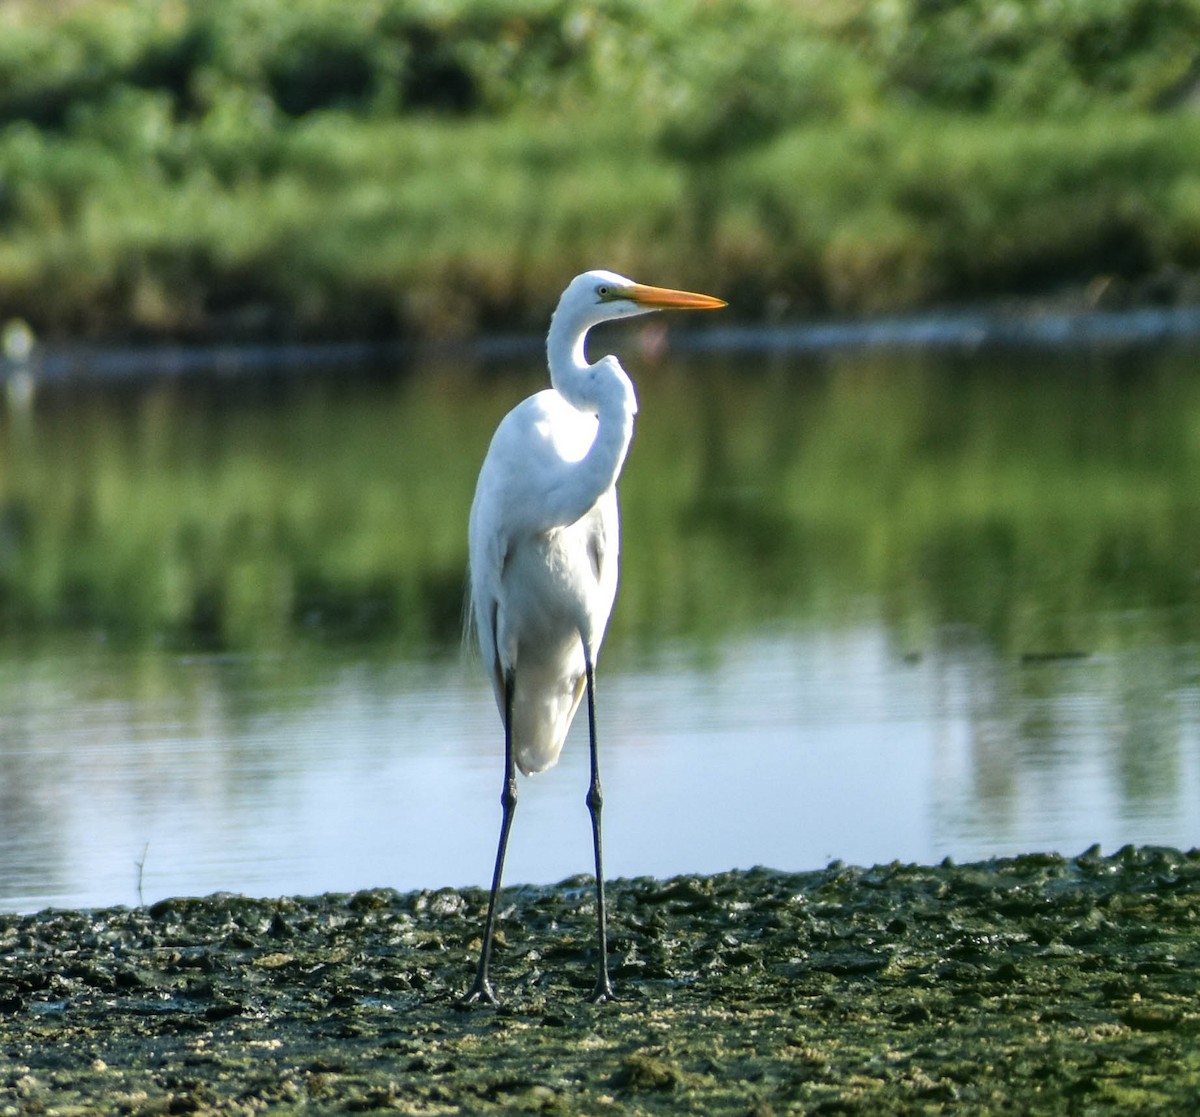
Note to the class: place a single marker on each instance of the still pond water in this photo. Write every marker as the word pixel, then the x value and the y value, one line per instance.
pixel 876 606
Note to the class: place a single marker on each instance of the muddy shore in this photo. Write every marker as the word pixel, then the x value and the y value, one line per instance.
pixel 1039 984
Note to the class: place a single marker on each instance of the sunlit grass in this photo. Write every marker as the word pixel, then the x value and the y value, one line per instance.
pixel 252 167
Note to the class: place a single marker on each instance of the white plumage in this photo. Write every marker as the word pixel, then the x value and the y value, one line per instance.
pixel 544 539
pixel 544 566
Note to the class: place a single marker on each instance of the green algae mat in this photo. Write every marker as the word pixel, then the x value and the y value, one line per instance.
pixel 1038 984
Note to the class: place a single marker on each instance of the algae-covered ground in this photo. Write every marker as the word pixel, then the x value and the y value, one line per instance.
pixel 1032 985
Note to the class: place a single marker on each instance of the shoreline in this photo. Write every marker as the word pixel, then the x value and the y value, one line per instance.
pixel 1029 984
pixel 995 325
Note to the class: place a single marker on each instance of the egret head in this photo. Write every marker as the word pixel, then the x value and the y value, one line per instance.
pixel 600 296
pixel 592 298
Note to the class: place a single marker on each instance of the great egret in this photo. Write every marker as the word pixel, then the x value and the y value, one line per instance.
pixel 543 552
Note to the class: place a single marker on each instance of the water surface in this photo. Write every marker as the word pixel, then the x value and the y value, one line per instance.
pixel 875 606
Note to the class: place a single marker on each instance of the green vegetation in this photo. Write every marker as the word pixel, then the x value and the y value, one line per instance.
pixel 300 168
pixel 1036 499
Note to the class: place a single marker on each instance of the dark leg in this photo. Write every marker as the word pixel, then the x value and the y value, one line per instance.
pixel 482 992
pixel 595 800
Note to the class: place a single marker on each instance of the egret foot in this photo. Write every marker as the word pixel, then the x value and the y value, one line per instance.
pixel 481 993
pixel 603 993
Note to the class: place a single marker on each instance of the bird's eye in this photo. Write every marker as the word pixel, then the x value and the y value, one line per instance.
pixel 603 290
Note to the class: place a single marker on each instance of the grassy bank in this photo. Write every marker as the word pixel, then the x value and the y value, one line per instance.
pixel 271 168
pixel 1035 985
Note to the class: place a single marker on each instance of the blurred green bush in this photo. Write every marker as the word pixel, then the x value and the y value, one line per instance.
pixel 300 168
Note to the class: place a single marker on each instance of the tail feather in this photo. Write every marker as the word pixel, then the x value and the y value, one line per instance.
pixel 543 710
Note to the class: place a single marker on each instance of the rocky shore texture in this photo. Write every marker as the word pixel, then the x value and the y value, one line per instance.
pixel 1038 984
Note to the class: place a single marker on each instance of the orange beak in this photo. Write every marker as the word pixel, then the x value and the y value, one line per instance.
pixel 663 298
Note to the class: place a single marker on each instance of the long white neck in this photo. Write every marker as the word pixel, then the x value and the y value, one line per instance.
pixel 602 389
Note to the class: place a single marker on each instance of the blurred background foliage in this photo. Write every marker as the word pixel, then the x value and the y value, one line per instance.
pixel 297 169
pixel 304 168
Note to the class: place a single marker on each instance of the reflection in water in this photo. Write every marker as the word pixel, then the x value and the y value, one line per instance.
pixel 302 775
pixel 874 606
pixel 1056 755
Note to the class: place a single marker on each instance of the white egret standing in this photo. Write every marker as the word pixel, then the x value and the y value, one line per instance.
pixel 543 550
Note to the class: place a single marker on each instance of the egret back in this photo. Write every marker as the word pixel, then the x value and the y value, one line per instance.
pixel 543 573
